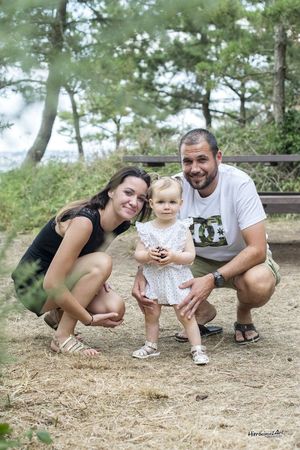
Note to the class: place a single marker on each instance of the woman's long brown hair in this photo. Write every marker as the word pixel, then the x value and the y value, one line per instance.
pixel 100 200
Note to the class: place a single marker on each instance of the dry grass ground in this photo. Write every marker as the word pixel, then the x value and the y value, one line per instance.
pixel 117 402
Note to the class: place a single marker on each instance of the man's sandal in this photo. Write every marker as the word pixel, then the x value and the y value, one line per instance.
pixel 243 328
pixel 70 345
pixel 198 354
pixel 149 349
pixel 205 331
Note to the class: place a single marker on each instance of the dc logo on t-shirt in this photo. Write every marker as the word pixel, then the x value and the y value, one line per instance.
pixel 208 232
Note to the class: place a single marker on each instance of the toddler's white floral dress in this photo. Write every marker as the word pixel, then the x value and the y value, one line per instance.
pixel 163 282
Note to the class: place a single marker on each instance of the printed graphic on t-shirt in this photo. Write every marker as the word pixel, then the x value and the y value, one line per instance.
pixel 208 232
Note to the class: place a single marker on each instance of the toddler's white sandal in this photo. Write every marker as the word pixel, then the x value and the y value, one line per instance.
pixel 198 354
pixel 149 349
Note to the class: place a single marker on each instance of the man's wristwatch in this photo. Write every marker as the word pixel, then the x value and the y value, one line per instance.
pixel 218 279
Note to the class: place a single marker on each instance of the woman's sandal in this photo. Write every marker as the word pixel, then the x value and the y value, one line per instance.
pixel 70 345
pixel 148 349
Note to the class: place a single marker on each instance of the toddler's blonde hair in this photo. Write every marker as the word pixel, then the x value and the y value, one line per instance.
pixel 164 183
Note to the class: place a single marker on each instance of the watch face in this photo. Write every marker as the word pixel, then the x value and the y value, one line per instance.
pixel 219 279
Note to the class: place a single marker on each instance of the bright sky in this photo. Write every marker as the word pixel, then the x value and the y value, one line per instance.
pixel 26 120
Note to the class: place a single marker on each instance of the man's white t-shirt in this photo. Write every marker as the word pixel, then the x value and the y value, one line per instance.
pixel 219 218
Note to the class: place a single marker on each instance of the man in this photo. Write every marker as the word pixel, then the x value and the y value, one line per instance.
pixel 229 236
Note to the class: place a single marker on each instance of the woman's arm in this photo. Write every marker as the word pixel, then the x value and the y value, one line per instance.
pixel 55 281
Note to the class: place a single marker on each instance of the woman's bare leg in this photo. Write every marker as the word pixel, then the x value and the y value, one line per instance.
pixel 91 271
pixel 106 301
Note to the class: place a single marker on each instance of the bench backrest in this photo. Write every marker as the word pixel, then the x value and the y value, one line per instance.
pixel 161 160
pixel 273 202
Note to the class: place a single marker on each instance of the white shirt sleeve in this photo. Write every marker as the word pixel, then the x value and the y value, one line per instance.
pixel 249 208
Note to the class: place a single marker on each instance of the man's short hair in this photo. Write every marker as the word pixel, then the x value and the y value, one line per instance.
pixel 197 135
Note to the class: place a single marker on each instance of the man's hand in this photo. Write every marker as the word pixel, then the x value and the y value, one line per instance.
pixel 200 290
pixel 106 320
pixel 138 292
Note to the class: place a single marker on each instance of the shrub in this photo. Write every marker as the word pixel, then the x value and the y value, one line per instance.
pixel 30 196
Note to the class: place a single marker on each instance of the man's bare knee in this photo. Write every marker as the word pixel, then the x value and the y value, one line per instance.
pixel 255 287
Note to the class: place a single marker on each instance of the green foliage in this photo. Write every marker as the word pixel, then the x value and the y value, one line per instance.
pixel 30 196
pixel 6 431
pixel 262 138
pixel 133 60
pixel 266 138
pixel 289 133
pixel 44 436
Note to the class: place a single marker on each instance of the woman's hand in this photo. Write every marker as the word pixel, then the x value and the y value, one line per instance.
pixel 107 287
pixel 106 320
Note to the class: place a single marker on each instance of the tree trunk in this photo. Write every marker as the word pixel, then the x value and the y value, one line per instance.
pixel 118 135
pixel 242 96
pixel 53 85
pixel 76 120
pixel 279 73
pixel 206 109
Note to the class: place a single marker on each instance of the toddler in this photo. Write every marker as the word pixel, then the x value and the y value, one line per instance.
pixel 165 249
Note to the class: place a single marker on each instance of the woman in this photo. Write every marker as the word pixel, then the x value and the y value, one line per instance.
pixel 63 268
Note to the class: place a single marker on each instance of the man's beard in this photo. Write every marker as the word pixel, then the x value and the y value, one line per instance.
pixel 205 183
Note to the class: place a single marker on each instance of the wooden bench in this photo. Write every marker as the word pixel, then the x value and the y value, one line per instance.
pixel 273 202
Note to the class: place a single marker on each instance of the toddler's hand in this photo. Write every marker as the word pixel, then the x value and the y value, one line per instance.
pixel 154 255
pixel 166 256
